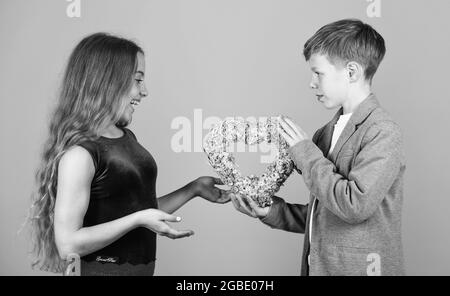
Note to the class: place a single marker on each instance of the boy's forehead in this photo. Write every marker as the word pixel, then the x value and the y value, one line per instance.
pixel 322 62
pixel 318 60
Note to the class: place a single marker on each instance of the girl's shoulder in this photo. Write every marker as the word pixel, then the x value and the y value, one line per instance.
pixel 128 131
pixel 78 157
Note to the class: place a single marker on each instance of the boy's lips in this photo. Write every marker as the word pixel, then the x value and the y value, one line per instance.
pixel 319 97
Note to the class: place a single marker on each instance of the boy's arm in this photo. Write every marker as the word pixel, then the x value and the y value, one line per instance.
pixel 375 168
pixel 315 140
pixel 281 215
pixel 286 216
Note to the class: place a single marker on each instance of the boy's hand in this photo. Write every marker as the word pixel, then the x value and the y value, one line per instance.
pixel 291 132
pixel 247 206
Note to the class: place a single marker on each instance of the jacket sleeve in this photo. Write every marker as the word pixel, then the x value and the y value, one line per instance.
pixel 315 139
pixel 373 172
pixel 286 216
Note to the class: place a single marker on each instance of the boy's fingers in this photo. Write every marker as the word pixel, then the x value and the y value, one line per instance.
pixel 286 128
pixel 259 211
pixel 286 137
pixel 282 130
pixel 292 125
pixel 244 207
pixel 236 203
pixel 239 201
pixel 252 203
pixel 243 203
pixel 255 207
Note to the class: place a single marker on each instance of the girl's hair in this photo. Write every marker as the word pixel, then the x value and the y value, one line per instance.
pixel 98 76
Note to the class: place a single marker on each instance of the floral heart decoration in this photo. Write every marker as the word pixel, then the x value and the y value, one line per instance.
pixel 229 131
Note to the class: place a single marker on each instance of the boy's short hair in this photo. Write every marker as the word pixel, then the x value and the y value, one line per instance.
pixel 348 40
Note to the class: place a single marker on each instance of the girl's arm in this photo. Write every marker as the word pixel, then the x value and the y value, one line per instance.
pixel 203 187
pixel 75 173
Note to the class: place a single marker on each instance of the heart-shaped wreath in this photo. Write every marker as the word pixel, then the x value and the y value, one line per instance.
pixel 229 131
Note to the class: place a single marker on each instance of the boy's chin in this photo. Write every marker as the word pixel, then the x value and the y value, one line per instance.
pixel 329 105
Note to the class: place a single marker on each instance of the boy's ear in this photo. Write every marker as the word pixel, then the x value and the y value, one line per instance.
pixel 355 71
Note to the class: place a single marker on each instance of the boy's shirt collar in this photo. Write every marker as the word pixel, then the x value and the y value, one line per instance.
pixel 359 115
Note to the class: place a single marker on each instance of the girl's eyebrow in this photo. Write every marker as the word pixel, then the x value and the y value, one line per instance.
pixel 140 72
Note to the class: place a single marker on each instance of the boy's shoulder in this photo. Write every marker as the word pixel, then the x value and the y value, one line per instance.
pixel 370 120
pixel 380 118
pixel 380 126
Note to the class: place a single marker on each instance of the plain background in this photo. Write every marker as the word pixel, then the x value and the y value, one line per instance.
pixel 229 58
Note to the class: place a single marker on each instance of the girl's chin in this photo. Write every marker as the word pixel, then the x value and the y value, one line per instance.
pixel 127 116
pixel 125 120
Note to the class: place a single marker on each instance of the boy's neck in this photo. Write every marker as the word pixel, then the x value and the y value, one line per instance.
pixel 355 97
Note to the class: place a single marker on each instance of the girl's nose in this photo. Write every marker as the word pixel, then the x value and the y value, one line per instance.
pixel 143 91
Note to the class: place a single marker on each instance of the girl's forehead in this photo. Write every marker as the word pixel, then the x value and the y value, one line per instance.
pixel 140 63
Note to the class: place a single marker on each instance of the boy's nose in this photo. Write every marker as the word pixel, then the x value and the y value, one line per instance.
pixel 313 83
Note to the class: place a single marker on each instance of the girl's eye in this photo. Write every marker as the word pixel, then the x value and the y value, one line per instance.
pixel 139 80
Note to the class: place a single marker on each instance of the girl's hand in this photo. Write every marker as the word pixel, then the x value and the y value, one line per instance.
pixel 155 220
pixel 205 188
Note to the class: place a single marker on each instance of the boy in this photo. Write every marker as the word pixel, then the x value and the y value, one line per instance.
pixel 353 166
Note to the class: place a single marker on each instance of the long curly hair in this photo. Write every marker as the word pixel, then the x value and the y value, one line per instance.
pixel 98 77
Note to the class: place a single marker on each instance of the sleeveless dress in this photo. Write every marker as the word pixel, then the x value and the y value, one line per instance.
pixel 124 183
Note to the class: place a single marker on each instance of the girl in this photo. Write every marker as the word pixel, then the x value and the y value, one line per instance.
pixel 96 184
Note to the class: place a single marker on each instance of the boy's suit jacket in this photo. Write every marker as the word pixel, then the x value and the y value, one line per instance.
pixel 356 227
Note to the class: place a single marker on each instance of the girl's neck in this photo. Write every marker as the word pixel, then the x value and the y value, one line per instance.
pixel 112 131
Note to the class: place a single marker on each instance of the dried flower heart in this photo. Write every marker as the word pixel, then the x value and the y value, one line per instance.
pixel 259 188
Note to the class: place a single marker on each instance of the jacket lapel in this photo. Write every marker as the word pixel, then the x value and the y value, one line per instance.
pixel 343 138
pixel 324 141
pixel 359 115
